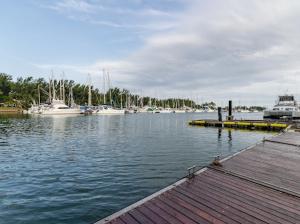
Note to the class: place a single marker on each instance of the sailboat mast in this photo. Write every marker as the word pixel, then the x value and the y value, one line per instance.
pixel 39 94
pixel 53 86
pixel 104 90
pixel 49 90
pixel 90 91
pixel 60 90
pixel 109 86
pixel 63 89
pixel 121 100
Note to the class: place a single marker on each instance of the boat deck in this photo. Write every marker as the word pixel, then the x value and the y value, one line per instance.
pixel 260 184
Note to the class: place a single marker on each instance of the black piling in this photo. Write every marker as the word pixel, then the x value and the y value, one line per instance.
pixel 219 114
pixel 230 117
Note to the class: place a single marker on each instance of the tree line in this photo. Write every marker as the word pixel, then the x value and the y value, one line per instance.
pixel 27 91
pixel 24 92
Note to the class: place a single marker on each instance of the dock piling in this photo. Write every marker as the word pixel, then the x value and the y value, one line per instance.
pixel 230 117
pixel 220 114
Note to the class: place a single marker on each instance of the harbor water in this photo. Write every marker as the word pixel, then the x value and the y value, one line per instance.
pixel 79 169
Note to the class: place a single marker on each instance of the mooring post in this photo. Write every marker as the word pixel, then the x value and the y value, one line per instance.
pixel 230 117
pixel 220 114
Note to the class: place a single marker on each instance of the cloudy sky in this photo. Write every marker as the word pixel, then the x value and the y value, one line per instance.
pixel 248 51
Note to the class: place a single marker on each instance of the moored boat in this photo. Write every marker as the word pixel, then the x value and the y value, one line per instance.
pixel 108 110
pixel 286 106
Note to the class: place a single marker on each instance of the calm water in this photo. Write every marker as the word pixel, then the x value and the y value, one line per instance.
pixel 80 169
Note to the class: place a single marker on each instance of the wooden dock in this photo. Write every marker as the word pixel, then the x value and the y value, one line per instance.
pixel 260 184
pixel 243 124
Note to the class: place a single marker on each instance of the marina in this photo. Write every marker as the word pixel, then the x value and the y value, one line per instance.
pixel 149 112
pixel 260 184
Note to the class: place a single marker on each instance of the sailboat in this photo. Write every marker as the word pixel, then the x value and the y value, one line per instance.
pixel 108 109
pixel 57 106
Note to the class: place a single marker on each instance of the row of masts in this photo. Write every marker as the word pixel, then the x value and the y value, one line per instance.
pixel 106 83
pixel 130 100
pixel 52 92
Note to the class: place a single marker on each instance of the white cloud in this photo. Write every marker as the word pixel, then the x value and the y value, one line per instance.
pixel 73 5
pixel 218 49
pixel 109 13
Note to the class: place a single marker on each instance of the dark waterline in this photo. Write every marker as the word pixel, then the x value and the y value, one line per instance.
pixel 80 169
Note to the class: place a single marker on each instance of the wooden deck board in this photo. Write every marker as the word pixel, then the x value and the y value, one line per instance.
pixel 273 163
pixel 234 193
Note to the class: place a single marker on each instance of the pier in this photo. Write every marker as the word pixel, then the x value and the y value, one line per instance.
pixel 243 124
pixel 260 184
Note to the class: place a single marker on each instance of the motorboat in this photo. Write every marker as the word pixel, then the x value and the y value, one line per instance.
pixel 286 106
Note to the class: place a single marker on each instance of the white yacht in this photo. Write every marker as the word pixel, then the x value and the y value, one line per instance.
pixel 286 106
pixel 108 110
pixel 58 107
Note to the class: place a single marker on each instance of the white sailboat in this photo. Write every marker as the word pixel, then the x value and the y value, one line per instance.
pixel 108 109
pixel 56 106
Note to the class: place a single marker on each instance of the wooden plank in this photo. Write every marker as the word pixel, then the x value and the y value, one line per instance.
pixel 220 205
pixel 128 219
pixel 175 213
pixel 215 209
pixel 195 208
pixel 252 203
pixel 183 210
pixel 266 177
pixel 248 214
pixel 155 218
pixel 117 221
pixel 140 217
pixel 266 193
pixel 275 205
pixel 162 213
pixel 266 167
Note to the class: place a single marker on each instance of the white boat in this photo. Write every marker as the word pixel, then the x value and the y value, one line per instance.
pixel 108 110
pixel 166 110
pixel 178 111
pixel 286 106
pixel 208 109
pixel 34 109
pixel 57 107
pixel 243 111
pixel 199 111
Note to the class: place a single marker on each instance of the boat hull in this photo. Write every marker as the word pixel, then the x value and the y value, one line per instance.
pixel 277 114
pixel 60 112
pixel 110 112
pixel 296 115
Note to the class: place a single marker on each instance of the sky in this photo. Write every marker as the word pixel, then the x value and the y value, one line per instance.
pixel 207 50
